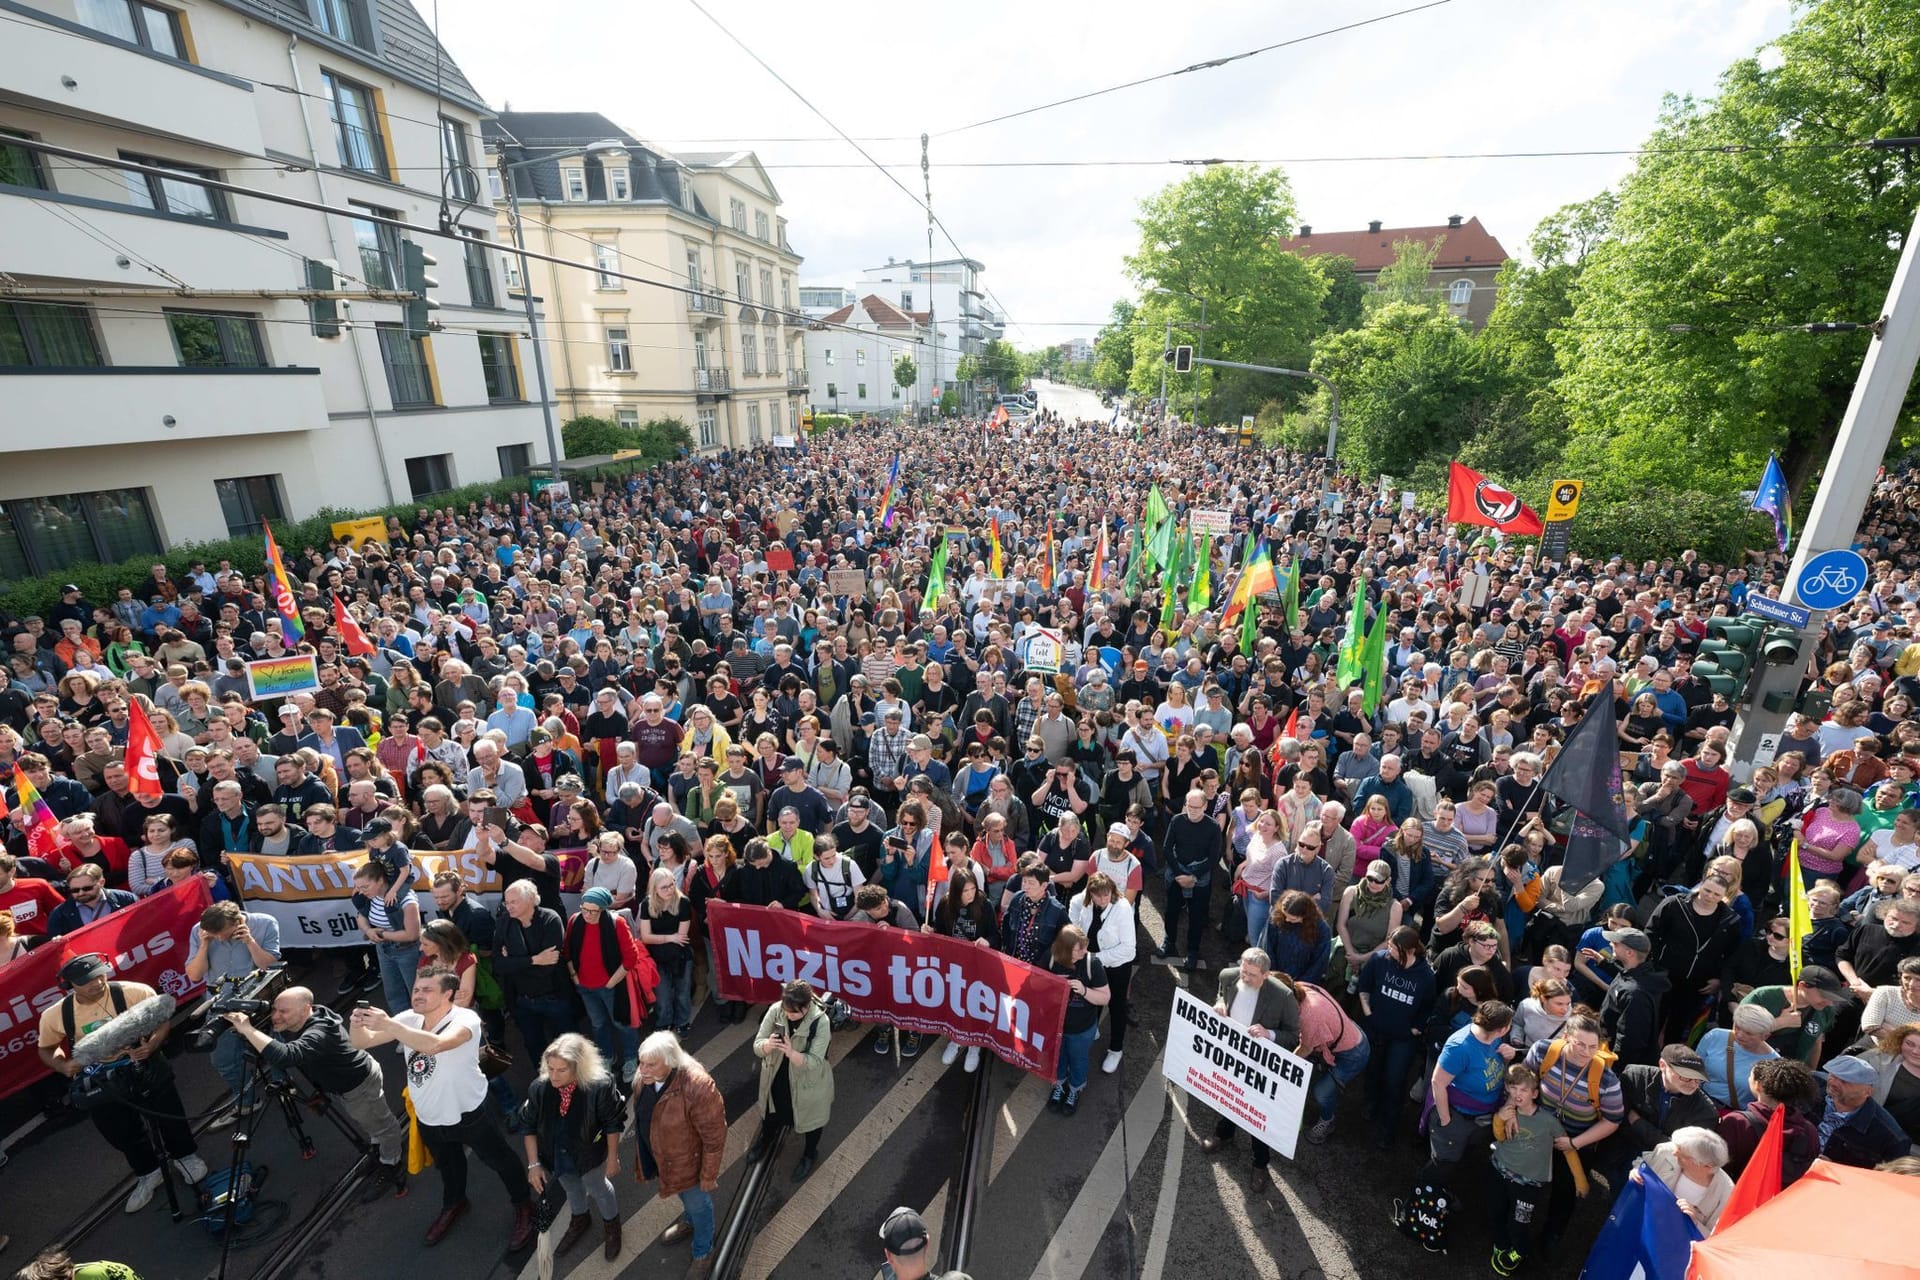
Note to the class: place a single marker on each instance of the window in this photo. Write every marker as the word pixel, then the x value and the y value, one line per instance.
pixel 510 270
pixel 515 459
pixel 379 249
pixel 771 346
pixel 742 285
pixel 430 475
pixel 766 287
pixel 356 126
pixel 1461 293
pixel 499 368
pixel 344 20
pixel 896 391
pixel 786 292
pixel 619 182
pixel 862 395
pixel 828 353
pixel 45 535
pixel 906 299
pixel 700 349
pixel 749 352
pixel 20 167
pixel 495 187
pixel 409 371
pixel 860 356
pixel 833 392
pixel 737 215
pixel 479 270
pixel 247 501
pixel 47 335
pixel 686 193
pixel 575 183
pixel 606 261
pixel 693 266
pixel 762 228
pixel 629 419
pixel 619 352
pixel 217 340
pixel 181 195
pixel 462 182
pixel 708 436
pixel 793 418
pixel 753 423
pixel 773 417
pixel 147 25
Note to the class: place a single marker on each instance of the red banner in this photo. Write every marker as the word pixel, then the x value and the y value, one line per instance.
pixel 918 981
pixel 146 942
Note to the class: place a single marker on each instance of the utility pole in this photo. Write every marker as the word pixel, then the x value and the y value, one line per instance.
pixel 933 320
pixel 1845 486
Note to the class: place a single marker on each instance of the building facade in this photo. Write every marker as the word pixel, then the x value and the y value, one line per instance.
pixel 950 290
pixel 852 354
pixel 1466 268
pixel 161 376
pixel 721 350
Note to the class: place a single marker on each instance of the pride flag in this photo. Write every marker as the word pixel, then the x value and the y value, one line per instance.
pixel 1255 578
pixel 886 494
pixel 285 603
pixel 43 829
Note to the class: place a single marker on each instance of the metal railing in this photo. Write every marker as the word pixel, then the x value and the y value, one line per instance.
pixel 797 379
pixel 707 302
pixel 361 149
pixel 715 380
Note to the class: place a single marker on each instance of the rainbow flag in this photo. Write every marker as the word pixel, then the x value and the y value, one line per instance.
pixel 886 494
pixel 996 559
pixel 1097 571
pixel 285 603
pixel 43 829
pixel 1257 577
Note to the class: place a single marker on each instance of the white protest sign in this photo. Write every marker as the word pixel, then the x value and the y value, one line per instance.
pixel 1044 647
pixel 1217 523
pixel 1250 1080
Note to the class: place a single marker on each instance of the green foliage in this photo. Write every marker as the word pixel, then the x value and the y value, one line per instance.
pixel 657 439
pixel 999 364
pixel 1345 305
pixel 905 371
pixel 949 404
pixel 1650 523
pixel 829 421
pixel 1408 279
pixel 1113 349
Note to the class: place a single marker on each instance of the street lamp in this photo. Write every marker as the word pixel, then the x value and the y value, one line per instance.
pixel 610 151
pixel 1201 352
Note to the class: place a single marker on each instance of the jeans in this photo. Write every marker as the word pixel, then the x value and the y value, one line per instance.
pixel 586 1185
pixel 366 1104
pixel 1347 1064
pixel 618 1042
pixel 1194 902
pixel 1259 910
pixel 1076 1047
pixel 230 1061
pixel 542 1020
pixel 698 1206
pixel 399 965
pixel 448 1144
pixel 1387 1066
pixel 675 998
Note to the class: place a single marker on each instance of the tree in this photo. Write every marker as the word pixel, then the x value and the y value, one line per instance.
pixel 1001 365
pixel 905 371
pixel 1345 305
pixel 1113 348
pixel 586 435
pixel 1409 277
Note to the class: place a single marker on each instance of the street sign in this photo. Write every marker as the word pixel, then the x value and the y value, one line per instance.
pixel 1832 579
pixel 1777 611
pixel 1563 500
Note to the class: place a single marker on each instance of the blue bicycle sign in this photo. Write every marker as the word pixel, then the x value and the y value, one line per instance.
pixel 1832 579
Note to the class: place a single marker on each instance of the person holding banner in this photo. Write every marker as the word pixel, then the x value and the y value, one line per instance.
pixel 1267 1004
pixel 392 927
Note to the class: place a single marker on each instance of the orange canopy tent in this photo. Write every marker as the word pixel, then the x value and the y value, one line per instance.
pixel 1835 1220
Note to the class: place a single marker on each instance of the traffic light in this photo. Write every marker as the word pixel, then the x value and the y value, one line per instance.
pixel 1780 647
pixel 1183 359
pixel 1715 677
pixel 323 313
pixel 417 316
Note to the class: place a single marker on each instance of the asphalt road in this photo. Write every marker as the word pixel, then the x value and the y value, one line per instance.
pixel 1071 403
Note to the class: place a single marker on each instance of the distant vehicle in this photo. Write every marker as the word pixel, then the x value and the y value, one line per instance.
pixel 1019 400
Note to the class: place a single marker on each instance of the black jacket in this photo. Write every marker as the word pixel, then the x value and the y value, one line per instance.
pixel 754 886
pixel 1630 1015
pixel 514 949
pixel 1869 1138
pixel 597 1110
pixel 322 1051
pixel 1654 1114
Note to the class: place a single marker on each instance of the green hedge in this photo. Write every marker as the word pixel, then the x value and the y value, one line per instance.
pixel 100 583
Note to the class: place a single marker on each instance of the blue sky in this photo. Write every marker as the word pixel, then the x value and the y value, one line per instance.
pixel 1465 76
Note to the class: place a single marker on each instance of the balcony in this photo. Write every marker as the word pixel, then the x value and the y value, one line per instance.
pixel 796 379
pixel 716 381
pixel 203 254
pixel 47 60
pixel 706 306
pixel 103 407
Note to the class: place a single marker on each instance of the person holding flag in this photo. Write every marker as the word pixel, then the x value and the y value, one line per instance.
pixel 887 495
pixel 996 558
pixel 280 587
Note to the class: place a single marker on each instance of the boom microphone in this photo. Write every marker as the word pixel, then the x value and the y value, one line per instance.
pixel 121 1033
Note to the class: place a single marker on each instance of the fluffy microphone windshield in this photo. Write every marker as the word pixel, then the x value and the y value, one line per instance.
pixel 112 1039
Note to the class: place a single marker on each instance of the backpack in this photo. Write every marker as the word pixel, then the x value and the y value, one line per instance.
pixel 1423 1215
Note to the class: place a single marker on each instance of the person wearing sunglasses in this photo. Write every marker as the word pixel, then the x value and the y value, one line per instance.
pixel 88 899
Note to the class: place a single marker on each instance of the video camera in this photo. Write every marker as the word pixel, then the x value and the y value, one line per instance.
pixel 249 993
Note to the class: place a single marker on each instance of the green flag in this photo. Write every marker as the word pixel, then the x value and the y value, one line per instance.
pixel 1249 627
pixel 1156 508
pixel 1131 583
pixel 1200 593
pixel 936 577
pixel 1160 548
pixel 1373 660
pixel 1349 670
pixel 1170 583
pixel 1293 593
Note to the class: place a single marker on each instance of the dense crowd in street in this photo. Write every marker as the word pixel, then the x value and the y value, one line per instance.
pixel 623 674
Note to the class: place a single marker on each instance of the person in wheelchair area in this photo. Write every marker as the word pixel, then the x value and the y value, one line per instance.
pixel 139 1076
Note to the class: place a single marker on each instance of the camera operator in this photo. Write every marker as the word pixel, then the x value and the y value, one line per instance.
pixel 314 1039
pixel 140 1077
pixel 229 945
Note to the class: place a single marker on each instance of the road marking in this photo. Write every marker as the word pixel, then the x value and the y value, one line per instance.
pixel 772 1242
pixel 1072 1245
pixel 643 1226
pixel 1162 1232
pixel 1329 1250
pixel 1017 1114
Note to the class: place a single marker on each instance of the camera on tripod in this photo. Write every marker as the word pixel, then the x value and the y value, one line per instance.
pixel 251 994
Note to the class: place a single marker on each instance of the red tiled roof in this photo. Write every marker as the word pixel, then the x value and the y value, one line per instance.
pixel 1467 245
pixel 879 311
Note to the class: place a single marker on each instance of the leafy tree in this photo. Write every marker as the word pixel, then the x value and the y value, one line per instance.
pixel 1409 277
pixel 905 371
pixel 586 435
pixel 1113 348
pixel 1000 364
pixel 949 403
pixel 1345 305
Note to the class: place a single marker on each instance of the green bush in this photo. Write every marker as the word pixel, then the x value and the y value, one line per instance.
pixel 830 421
pixel 657 439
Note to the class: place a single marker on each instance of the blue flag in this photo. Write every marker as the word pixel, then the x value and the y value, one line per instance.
pixel 1646 1237
pixel 1772 497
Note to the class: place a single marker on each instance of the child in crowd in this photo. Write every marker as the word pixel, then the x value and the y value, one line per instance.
pixel 1524 1140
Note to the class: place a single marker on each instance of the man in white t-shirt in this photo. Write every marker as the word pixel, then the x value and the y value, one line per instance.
pixel 440 1045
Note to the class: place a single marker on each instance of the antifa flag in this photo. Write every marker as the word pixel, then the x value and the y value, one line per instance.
pixel 1474 499
pixel 1585 777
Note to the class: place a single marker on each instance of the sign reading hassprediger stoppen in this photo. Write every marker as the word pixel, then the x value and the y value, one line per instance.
pixel 1251 1081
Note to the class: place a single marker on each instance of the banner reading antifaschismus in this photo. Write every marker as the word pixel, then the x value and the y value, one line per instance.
pixel 311 896
pixel 919 981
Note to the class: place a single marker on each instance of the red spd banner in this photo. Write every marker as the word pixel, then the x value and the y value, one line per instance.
pixel 146 942
pixel 918 981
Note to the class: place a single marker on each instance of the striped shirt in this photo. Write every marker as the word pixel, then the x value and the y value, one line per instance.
pixel 1564 1091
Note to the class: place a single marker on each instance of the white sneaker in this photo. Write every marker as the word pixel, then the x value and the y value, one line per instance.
pixel 190 1168
pixel 1112 1062
pixel 973 1058
pixel 143 1191
pixel 951 1052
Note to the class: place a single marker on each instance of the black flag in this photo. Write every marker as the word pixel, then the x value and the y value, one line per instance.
pixel 1585 777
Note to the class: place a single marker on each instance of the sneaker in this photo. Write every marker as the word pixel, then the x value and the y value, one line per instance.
pixel 951 1052
pixel 973 1059
pixel 1111 1063
pixel 1059 1092
pixel 1504 1261
pixel 379 1180
pixel 1321 1131
pixel 349 985
pixel 910 1044
pixel 228 1116
pixel 143 1190
pixel 190 1168
pixel 370 981
pixel 883 1043
pixel 1070 1103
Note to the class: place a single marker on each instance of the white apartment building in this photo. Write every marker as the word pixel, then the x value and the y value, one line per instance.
pixel 160 377
pixel 852 361
pixel 950 288
pixel 720 347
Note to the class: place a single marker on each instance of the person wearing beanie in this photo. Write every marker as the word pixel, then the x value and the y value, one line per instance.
pixel 615 977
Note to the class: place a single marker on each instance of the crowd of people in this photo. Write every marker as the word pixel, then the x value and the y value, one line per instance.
pixel 732 679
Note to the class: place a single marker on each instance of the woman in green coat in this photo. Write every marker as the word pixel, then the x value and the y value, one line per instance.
pixel 796 1080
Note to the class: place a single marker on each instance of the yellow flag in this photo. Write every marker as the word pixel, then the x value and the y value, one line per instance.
pixel 1799 912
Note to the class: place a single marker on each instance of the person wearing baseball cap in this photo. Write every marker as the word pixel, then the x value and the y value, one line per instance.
pixel 1630 1014
pixel 908 1245
pixel 1660 1100
pixel 1854 1129
pixel 1804 1012
pixel 796 793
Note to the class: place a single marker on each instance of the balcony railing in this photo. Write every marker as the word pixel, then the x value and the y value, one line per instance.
pixel 707 302
pixel 717 381
pixel 796 379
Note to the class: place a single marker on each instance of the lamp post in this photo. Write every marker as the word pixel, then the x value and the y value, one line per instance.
pixel 1200 352
pixel 610 150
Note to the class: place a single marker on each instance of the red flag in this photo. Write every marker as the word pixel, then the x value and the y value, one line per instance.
pixel 143 752
pixel 1760 1180
pixel 351 636
pixel 1474 499
pixel 999 417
